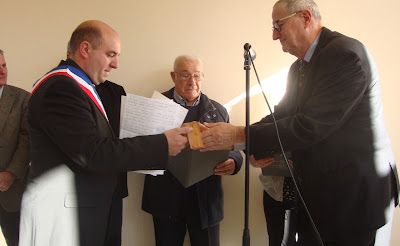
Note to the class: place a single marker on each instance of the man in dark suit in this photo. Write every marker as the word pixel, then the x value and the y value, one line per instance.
pixel 341 150
pixel 14 153
pixel 198 208
pixel 110 94
pixel 75 155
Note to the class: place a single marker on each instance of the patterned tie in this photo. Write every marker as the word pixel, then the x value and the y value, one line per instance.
pixel 302 70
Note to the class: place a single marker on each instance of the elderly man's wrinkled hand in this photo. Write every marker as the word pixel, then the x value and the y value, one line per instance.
pixel 219 136
pixel 225 168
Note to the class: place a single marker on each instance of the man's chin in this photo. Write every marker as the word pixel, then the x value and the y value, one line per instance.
pixel 192 95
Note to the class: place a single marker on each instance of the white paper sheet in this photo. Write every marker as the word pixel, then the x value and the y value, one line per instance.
pixel 149 116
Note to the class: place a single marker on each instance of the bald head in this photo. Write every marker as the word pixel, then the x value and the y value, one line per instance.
pixel 95 47
pixel 187 76
pixel 185 58
pixel 92 31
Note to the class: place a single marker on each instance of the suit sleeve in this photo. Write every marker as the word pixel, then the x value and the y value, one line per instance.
pixel 70 120
pixel 20 161
pixel 337 86
pixel 235 155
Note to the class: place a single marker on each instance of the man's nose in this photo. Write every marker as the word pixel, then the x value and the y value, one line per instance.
pixel 275 34
pixel 114 63
pixel 191 80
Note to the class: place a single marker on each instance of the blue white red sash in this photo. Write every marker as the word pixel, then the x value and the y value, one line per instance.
pixel 80 77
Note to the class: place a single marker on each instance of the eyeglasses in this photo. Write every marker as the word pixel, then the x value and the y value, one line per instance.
pixel 186 77
pixel 277 26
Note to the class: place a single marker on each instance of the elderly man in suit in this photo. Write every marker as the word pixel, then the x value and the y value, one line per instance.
pixel 198 208
pixel 76 157
pixel 14 153
pixel 336 132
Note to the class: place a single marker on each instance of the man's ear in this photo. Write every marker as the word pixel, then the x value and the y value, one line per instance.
pixel 84 49
pixel 172 76
pixel 307 16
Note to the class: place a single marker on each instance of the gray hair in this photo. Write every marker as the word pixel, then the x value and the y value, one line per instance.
pixel 185 57
pixel 293 6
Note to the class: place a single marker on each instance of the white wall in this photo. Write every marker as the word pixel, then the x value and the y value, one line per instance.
pixel 34 35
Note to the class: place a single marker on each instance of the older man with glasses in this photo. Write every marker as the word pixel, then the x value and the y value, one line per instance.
pixel 198 208
pixel 14 153
pixel 331 120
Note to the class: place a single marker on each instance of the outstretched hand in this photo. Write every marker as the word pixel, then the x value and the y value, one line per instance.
pixel 221 135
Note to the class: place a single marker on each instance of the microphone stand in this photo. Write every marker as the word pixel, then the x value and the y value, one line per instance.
pixel 249 56
pixel 247 67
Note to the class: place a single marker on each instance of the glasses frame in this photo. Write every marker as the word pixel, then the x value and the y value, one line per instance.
pixel 281 19
pixel 201 77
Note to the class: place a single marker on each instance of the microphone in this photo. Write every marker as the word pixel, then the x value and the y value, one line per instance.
pixel 248 50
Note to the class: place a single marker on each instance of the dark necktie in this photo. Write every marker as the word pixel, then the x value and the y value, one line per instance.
pixel 302 70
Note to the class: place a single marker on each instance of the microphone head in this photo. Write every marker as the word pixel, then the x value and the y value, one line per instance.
pixel 247 46
pixel 247 50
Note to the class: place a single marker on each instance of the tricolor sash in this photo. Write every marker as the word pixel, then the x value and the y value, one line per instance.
pixel 80 77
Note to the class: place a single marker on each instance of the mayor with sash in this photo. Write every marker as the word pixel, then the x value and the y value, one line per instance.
pixel 75 155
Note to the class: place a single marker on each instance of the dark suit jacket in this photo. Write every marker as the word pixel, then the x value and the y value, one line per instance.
pixel 334 126
pixel 75 162
pixel 14 143
pixel 110 95
pixel 165 196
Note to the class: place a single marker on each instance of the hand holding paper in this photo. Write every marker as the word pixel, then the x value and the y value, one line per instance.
pixel 225 168
pixel 156 115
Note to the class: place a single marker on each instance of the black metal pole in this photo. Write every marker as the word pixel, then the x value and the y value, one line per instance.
pixel 246 231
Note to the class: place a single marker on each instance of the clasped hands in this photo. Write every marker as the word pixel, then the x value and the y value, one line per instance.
pixel 215 136
pixel 213 139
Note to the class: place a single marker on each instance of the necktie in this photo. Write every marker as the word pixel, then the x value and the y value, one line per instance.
pixel 302 69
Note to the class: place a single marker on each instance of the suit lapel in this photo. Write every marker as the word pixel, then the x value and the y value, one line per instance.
pixel 305 91
pixel 6 102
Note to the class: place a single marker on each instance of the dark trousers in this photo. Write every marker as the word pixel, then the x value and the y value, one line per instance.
pixel 9 222
pixel 113 236
pixel 281 223
pixel 171 230
pixel 307 235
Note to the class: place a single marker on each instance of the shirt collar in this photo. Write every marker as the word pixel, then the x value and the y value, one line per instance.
pixel 183 102
pixel 311 50
pixel 1 91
